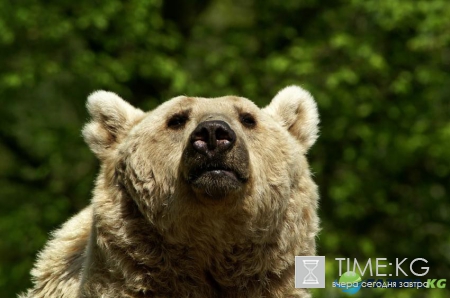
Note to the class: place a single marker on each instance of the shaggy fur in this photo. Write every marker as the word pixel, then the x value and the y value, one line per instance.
pixel 151 231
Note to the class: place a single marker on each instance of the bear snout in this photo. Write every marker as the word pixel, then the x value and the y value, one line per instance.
pixel 212 137
pixel 215 162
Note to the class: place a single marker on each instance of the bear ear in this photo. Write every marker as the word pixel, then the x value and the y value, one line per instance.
pixel 112 118
pixel 296 110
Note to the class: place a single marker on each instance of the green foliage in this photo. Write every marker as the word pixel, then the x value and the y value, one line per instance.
pixel 380 71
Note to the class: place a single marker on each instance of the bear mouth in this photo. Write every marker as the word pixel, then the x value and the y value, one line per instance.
pixel 216 180
pixel 216 171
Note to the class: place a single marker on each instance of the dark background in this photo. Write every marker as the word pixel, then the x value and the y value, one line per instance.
pixel 379 70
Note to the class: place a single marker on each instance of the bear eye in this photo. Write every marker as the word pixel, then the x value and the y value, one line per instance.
pixel 247 120
pixel 177 121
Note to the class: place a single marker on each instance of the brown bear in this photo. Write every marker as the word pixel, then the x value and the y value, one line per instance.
pixel 201 197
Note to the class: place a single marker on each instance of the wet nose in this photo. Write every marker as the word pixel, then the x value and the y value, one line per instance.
pixel 213 136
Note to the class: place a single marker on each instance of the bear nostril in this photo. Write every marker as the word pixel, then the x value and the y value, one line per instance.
pixel 222 134
pixel 224 137
pixel 200 145
pixel 212 136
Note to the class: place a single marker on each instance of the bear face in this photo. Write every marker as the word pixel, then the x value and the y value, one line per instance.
pixel 202 166
pixel 209 158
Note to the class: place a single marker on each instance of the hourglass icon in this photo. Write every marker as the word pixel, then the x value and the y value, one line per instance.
pixel 310 278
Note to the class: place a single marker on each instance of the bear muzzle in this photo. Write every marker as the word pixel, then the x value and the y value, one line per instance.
pixel 216 163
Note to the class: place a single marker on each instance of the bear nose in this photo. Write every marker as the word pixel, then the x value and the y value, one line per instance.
pixel 212 136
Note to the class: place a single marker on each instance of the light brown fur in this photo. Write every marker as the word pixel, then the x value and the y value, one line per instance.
pixel 150 233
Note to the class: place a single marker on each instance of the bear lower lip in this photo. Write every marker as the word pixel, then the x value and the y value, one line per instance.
pixel 223 172
pixel 218 174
